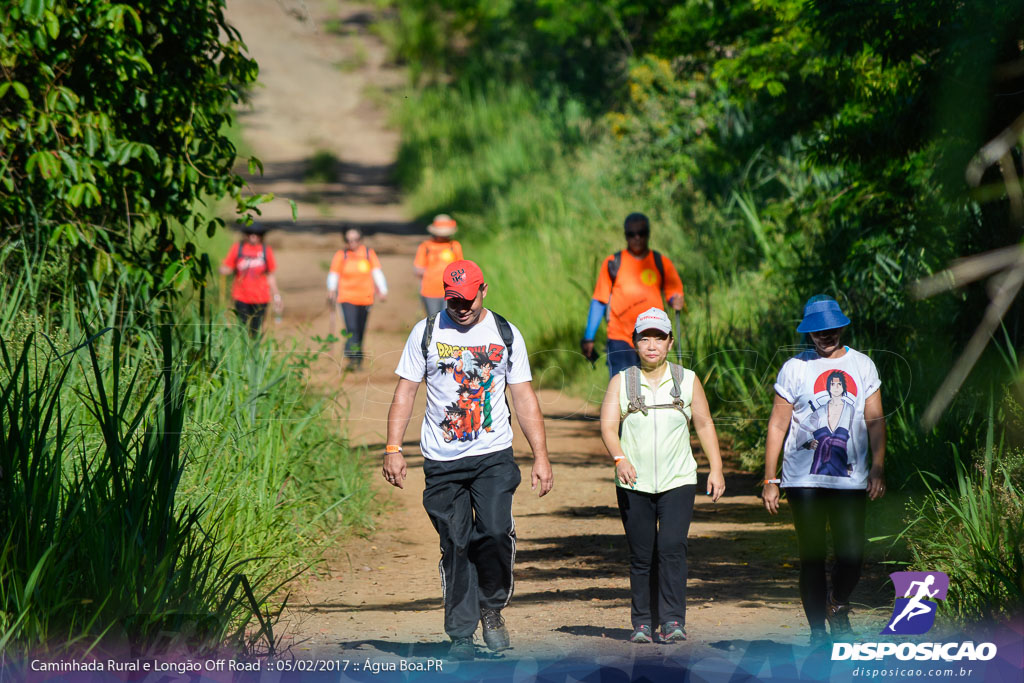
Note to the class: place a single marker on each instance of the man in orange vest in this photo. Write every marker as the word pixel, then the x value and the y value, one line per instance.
pixel 628 283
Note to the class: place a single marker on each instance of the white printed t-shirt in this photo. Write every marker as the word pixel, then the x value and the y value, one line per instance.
pixel 827 443
pixel 467 413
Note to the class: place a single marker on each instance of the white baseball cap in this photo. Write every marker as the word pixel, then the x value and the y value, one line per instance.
pixel 653 319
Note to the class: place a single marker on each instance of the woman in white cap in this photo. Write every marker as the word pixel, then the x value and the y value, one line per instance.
pixel 826 420
pixel 432 257
pixel 656 473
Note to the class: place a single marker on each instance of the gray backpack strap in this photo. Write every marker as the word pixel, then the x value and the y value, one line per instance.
pixel 677 380
pixel 428 334
pixel 634 396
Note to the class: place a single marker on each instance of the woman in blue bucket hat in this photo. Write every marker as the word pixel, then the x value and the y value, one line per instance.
pixel 827 421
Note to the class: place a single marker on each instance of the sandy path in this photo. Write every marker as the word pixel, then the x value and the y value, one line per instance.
pixel 380 596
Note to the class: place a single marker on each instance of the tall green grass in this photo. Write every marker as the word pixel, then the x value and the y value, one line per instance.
pixel 972 528
pixel 95 545
pixel 974 532
pixel 163 480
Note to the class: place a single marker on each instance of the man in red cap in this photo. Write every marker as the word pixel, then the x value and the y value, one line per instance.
pixel 470 473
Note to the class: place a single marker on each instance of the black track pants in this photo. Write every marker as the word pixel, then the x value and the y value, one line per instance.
pixel 843 511
pixel 355 324
pixel 469 501
pixel 656 527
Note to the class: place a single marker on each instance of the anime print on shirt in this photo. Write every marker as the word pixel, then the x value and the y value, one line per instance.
pixel 466 369
pixel 827 444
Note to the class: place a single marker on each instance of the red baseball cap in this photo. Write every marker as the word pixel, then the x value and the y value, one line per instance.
pixel 462 280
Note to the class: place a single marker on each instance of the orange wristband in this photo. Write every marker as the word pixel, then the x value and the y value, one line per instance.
pixel 391 448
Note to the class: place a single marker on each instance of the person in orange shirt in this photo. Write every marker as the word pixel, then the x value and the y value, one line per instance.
pixel 431 258
pixel 353 279
pixel 628 283
pixel 252 263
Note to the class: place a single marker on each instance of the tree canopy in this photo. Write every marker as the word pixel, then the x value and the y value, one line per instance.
pixel 112 129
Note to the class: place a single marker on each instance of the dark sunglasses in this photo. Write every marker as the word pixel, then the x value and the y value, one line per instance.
pixel 637 233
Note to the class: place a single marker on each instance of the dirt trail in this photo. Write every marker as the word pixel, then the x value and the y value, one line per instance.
pixel 380 596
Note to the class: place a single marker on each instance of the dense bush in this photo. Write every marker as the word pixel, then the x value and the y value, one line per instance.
pixel 111 132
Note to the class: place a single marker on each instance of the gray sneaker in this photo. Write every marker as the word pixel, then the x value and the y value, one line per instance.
pixel 641 634
pixel 462 649
pixel 672 632
pixel 495 634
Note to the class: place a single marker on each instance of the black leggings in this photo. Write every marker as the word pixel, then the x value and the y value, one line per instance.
pixel 843 511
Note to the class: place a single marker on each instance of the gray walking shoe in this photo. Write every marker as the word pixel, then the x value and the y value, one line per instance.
pixel 495 634
pixel 672 632
pixel 641 634
pixel 462 649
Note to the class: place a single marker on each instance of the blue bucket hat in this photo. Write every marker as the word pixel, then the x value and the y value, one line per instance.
pixel 822 313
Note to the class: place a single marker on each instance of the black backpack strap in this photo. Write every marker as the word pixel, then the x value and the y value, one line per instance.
pixel 505 330
pixel 660 265
pixel 613 266
pixel 428 333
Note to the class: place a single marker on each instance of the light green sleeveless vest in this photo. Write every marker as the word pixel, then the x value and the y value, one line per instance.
pixel 658 444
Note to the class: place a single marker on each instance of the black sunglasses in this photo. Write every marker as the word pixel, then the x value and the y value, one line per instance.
pixel 637 233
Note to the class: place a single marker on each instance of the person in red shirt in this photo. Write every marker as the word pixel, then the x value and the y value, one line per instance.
pixel 354 278
pixel 431 258
pixel 252 263
pixel 628 283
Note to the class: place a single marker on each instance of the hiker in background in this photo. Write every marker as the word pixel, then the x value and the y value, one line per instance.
pixel 431 258
pixel 252 263
pixel 629 282
pixel 354 278
pixel 656 473
pixel 826 420
pixel 470 473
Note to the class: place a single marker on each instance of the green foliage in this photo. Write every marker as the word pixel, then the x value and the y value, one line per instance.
pixel 322 168
pixel 95 546
pixel 240 462
pixel 473 143
pixel 265 458
pixel 975 533
pixel 111 119
pixel 782 148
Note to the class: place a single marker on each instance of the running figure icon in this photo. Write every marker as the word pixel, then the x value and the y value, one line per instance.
pixel 915 607
pixel 917 596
